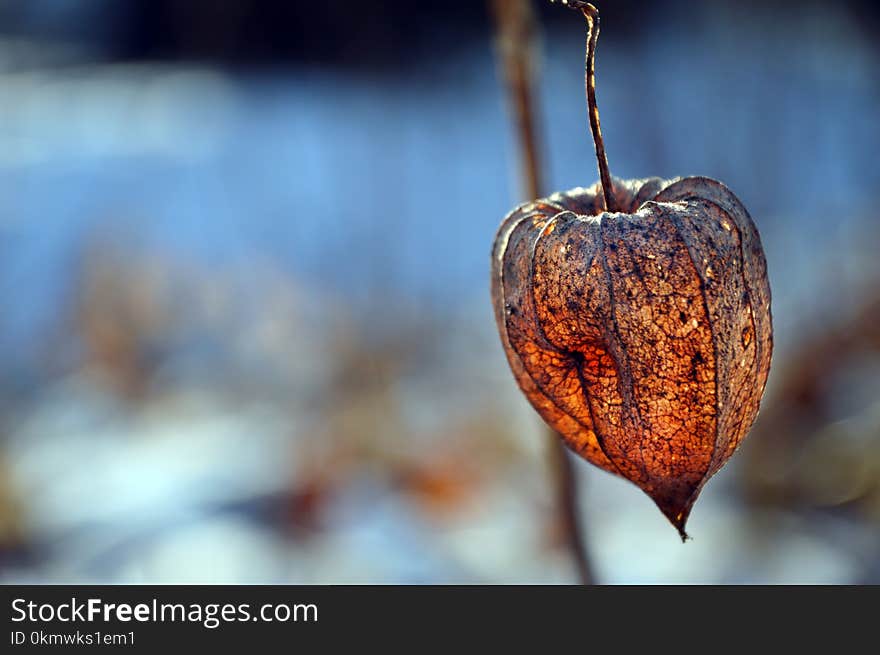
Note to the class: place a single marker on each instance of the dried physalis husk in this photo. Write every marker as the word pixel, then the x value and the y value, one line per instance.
pixel 642 335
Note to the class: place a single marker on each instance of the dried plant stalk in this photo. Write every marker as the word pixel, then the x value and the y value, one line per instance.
pixel 516 37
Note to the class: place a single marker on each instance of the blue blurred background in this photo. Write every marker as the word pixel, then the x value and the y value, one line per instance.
pixel 246 333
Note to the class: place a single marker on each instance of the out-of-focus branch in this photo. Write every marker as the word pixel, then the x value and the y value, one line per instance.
pixel 516 41
pixel 568 507
pixel 516 37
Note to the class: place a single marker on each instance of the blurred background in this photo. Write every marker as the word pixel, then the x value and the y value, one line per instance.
pixel 246 333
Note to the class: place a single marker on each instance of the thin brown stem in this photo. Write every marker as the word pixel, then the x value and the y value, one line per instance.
pixel 515 30
pixel 592 16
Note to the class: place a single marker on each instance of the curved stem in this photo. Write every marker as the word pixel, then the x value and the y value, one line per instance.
pixel 592 16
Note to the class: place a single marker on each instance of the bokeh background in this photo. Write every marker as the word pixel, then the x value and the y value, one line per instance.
pixel 246 333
